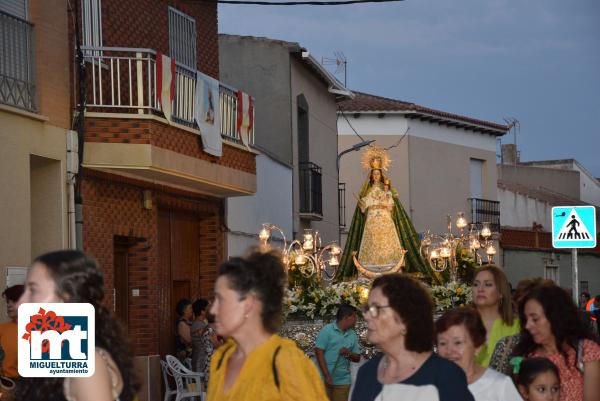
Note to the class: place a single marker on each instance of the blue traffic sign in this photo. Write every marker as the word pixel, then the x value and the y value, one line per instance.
pixel 574 227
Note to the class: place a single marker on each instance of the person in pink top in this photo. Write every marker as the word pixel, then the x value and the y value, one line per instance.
pixel 551 329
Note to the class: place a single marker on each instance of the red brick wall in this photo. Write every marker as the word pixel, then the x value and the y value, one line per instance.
pixel 115 130
pixel 145 24
pixel 112 206
pixel 529 239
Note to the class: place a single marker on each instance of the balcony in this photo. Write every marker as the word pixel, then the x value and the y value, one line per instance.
pixel 17 68
pixel 123 80
pixel 311 192
pixel 126 133
pixel 483 210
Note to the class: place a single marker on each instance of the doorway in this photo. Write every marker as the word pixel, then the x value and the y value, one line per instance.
pixel 179 265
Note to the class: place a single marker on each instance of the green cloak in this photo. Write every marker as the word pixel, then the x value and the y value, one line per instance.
pixel 409 239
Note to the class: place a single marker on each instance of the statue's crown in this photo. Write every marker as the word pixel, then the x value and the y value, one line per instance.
pixel 376 163
pixel 375 158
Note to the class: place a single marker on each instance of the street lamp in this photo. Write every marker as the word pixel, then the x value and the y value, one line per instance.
pixel 354 148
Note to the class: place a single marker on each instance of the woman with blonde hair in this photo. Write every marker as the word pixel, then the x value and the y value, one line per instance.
pixel 492 299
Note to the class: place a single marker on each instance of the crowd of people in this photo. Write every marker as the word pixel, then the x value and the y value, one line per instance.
pixel 535 344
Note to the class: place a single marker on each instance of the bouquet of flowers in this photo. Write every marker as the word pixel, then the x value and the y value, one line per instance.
pixel 322 302
pixel 451 295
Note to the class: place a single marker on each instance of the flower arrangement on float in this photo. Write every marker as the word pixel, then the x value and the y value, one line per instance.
pixel 451 295
pixel 320 302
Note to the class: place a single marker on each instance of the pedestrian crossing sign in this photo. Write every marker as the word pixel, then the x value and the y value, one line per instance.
pixel 574 227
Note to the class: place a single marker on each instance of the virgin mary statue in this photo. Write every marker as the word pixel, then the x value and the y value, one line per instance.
pixel 381 238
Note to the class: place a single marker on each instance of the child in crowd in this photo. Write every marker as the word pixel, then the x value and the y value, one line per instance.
pixel 538 380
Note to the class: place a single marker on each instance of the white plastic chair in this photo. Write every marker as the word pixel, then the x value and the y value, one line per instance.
pixel 166 372
pixel 189 384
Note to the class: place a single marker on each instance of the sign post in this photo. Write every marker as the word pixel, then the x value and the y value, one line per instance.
pixel 574 227
pixel 575 276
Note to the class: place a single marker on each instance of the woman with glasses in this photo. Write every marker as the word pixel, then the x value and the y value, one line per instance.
pixel 399 316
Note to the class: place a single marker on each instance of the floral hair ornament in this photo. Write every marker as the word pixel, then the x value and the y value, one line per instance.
pixel 375 158
pixel 516 362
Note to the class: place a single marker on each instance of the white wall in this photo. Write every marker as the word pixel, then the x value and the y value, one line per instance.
pixel 517 210
pixel 396 124
pixel 590 187
pixel 272 203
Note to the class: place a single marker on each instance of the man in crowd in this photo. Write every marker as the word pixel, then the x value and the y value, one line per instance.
pixel 335 348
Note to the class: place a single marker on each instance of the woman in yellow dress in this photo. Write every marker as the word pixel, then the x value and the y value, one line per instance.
pixel 255 363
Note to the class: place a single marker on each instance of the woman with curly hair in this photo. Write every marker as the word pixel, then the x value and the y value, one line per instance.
pixel 553 330
pixel 72 276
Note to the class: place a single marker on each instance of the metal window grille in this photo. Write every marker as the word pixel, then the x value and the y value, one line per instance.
pixel 17 63
pixel 182 38
pixel 17 8
pixel 91 25
pixel 485 211
pixel 584 286
pixel 342 203
pixel 311 194
pixel 551 272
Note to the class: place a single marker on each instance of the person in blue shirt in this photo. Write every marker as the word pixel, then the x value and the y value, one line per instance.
pixel 335 348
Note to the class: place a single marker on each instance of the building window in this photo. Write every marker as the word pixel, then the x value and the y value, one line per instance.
pixel 584 286
pixel 476 177
pixel 91 25
pixel 15 276
pixel 182 38
pixel 17 8
pixel 551 273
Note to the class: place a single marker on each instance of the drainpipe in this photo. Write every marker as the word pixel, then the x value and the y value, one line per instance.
pixel 72 169
pixel 80 126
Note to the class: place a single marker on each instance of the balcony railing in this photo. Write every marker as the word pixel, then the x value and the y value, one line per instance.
pixel 123 80
pixel 342 203
pixel 483 210
pixel 311 193
pixel 17 65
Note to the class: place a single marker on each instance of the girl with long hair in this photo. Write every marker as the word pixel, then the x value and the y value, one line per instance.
pixel 72 276
pixel 492 299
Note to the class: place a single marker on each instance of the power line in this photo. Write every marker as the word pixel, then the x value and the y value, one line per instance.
pixel 300 3
pixel 349 124
pixel 399 140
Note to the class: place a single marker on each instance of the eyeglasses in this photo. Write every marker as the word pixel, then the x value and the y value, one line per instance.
pixel 373 309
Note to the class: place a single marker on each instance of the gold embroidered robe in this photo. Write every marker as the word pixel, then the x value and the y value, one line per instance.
pixel 380 246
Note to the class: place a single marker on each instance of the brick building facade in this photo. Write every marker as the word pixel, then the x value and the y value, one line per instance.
pixel 153 200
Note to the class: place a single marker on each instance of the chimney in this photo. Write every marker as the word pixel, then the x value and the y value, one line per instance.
pixel 509 154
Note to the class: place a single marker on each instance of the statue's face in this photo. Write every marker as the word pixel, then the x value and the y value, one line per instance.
pixel 376 175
